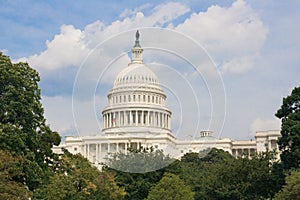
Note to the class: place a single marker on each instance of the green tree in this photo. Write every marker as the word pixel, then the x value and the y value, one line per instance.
pixel 137 185
pixel 148 165
pixel 170 187
pixel 218 175
pixel 23 128
pixel 292 188
pixel 289 142
pixel 140 160
pixel 75 178
pixel 11 171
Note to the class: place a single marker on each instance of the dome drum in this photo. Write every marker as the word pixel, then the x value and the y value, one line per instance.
pixel 136 98
pixel 136 118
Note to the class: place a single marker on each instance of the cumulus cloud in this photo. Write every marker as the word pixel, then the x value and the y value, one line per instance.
pixel 160 16
pixel 66 49
pixel 233 36
pixel 71 46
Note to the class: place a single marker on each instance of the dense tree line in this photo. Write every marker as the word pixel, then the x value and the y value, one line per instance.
pixel 29 168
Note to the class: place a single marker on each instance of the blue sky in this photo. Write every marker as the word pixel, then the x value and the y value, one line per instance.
pixel 254 46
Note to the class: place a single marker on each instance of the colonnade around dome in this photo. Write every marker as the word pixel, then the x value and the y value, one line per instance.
pixel 136 118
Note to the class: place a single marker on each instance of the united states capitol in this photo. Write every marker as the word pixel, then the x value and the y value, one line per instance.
pixel 137 115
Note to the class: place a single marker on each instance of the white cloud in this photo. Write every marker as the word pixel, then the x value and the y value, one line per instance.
pixel 228 34
pixel 131 12
pixel 5 51
pixel 239 64
pixel 161 15
pixel 165 13
pixel 66 49
pixel 265 124
pixel 233 36
pixel 71 46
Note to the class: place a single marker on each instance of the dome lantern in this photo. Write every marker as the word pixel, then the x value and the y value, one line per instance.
pixel 137 50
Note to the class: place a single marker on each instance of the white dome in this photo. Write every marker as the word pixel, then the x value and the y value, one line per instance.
pixel 136 74
pixel 136 103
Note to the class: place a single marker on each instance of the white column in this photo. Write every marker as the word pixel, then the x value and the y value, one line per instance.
pixel 159 122
pixel 84 150
pixel 130 118
pixel 142 121
pixel 97 155
pixel 147 120
pixel 166 120
pixel 114 119
pixel 136 116
pixel 106 122
pixel 108 147
pixel 118 119
pixel 117 148
pixel 109 120
pixel 88 152
pixel 153 121
pixel 100 152
pixel 152 118
pixel 158 118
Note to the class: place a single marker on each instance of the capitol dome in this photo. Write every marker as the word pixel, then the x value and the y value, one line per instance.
pixel 137 102
pixel 136 74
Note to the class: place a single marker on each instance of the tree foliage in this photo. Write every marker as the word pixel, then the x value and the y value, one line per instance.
pixel 75 178
pixel 140 160
pixel 289 142
pixel 11 175
pixel 23 128
pixel 218 175
pixel 292 188
pixel 170 187
pixel 138 170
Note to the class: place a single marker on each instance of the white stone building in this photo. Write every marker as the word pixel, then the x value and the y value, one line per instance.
pixel 137 115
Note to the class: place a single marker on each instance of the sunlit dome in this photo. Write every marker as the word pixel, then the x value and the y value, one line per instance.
pixel 136 74
pixel 136 103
